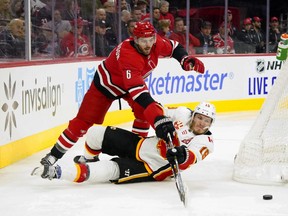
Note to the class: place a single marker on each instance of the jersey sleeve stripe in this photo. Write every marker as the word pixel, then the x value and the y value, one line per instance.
pixel 106 82
pixel 147 74
pixel 174 44
pixel 137 90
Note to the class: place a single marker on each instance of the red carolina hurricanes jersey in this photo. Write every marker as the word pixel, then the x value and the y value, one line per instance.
pixel 124 70
pixel 68 45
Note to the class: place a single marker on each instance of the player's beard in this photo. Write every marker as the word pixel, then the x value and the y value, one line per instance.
pixel 145 51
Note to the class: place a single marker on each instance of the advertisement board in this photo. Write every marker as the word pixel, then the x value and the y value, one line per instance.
pixel 38 98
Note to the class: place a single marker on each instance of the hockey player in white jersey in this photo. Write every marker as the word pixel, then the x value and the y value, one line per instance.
pixel 139 159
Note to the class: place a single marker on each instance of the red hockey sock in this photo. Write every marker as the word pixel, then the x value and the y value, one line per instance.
pixel 141 127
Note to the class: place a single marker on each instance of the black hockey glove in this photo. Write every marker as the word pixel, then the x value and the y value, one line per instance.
pixel 180 152
pixel 164 126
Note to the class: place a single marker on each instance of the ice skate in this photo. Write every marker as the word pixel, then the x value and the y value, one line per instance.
pixel 48 160
pixel 81 159
pixel 47 172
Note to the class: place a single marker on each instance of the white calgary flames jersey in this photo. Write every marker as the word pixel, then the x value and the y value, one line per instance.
pixel 199 145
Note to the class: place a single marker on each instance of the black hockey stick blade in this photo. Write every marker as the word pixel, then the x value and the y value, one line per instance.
pixel 182 190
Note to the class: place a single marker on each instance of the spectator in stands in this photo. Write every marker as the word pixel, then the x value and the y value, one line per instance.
pixel 110 34
pixel 125 17
pixel 12 39
pixel 110 6
pixel 5 13
pixel 17 9
pixel 125 6
pixel 155 17
pixel 111 13
pixel 246 36
pixel 205 38
pixel 36 5
pixel 46 43
pixel 179 35
pixel 61 27
pixel 100 14
pixel 83 46
pixel 156 3
pixel 99 4
pixel 164 13
pixel 102 48
pixel 232 30
pixel 136 14
pixel 39 41
pixel 112 21
pixel 219 41
pixel 5 10
pixel 43 15
pixel 71 10
pixel 164 28
pixel 143 5
pixel 258 35
pixel 274 34
pixel 130 27
pixel 131 3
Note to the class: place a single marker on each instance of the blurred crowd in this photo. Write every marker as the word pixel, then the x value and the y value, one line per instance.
pixel 72 28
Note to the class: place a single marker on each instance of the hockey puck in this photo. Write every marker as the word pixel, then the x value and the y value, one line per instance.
pixel 267 197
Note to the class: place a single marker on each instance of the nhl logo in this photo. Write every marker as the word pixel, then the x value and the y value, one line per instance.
pixel 260 65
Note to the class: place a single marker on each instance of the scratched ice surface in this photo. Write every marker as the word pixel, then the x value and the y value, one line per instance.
pixel 211 189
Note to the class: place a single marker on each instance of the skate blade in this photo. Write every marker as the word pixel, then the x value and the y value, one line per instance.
pixel 37 171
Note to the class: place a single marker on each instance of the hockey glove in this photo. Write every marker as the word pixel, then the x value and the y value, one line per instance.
pixel 164 126
pixel 189 63
pixel 180 152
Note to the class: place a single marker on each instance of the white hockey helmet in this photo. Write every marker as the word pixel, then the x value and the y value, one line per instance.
pixel 207 109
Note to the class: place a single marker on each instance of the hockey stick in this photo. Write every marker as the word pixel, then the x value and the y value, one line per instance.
pixel 177 175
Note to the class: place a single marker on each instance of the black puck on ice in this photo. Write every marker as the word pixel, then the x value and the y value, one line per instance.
pixel 267 197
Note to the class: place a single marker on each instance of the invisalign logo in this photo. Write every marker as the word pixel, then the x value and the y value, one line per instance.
pixel 10 106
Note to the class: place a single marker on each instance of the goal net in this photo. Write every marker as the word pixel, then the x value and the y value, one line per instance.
pixel 263 153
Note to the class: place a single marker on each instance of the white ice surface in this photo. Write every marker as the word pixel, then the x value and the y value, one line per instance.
pixel 212 192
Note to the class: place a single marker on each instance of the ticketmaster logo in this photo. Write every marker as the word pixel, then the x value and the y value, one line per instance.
pixel 177 84
pixel 10 106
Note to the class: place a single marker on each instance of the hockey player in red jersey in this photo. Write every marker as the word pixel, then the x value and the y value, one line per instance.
pixel 141 159
pixel 122 75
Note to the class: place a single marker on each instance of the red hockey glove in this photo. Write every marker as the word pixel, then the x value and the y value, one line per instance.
pixel 189 63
